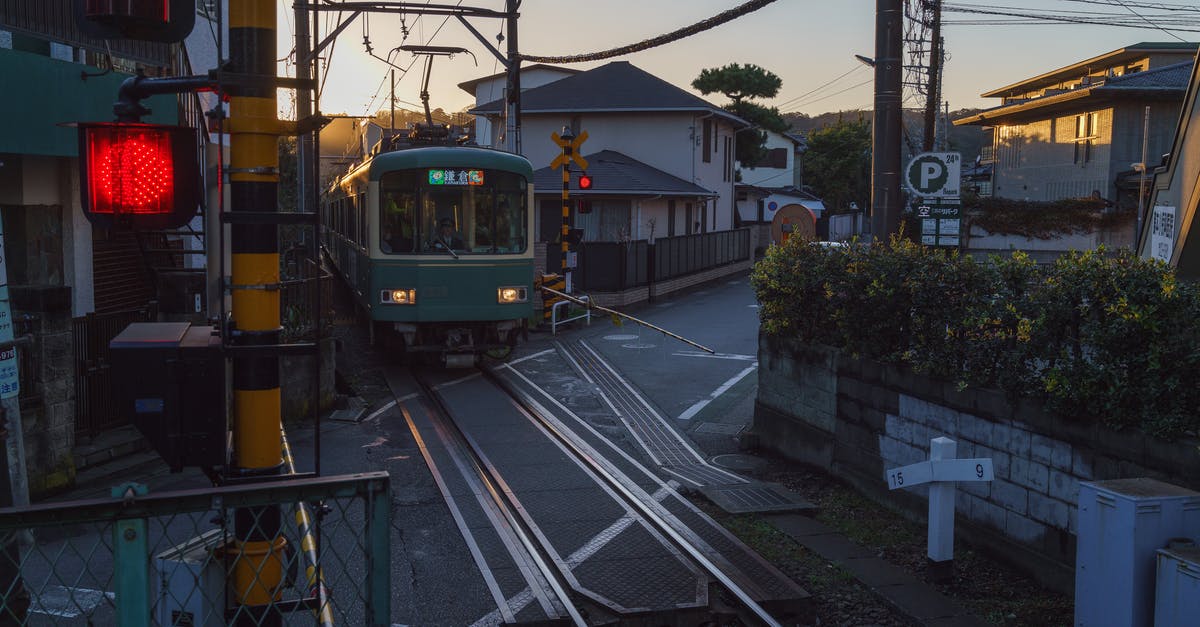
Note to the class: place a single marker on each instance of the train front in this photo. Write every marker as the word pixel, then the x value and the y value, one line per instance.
pixel 453 270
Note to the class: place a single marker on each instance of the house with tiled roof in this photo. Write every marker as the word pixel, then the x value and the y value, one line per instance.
pixel 1078 131
pixel 647 131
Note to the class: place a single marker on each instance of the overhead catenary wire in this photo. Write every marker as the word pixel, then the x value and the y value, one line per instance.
pixel 676 35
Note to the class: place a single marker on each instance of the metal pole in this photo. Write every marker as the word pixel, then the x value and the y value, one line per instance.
pixel 1137 238
pixel 14 600
pixel 512 131
pixel 933 87
pixel 392 124
pixel 258 545
pixel 885 159
pixel 306 200
pixel 567 137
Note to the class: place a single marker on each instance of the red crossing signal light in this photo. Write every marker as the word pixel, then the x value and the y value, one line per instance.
pixel 139 175
pixel 585 181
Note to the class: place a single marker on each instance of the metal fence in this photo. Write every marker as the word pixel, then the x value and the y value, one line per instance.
pixel 95 409
pixel 612 266
pixel 299 298
pixel 617 266
pixel 170 558
pixel 685 254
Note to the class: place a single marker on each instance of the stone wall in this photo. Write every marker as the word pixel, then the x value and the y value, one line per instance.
pixel 856 418
pixel 47 380
pixel 296 382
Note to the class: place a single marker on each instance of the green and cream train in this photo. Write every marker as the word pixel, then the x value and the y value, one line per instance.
pixel 434 243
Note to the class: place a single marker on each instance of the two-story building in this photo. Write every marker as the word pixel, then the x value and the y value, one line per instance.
pixel 64 275
pixel 637 124
pixel 1081 131
pixel 771 190
pixel 1077 130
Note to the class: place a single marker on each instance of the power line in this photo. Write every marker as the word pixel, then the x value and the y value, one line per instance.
pixel 1149 22
pixel 827 96
pixel 687 31
pixel 839 77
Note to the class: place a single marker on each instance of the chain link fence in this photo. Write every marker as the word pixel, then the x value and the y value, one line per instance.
pixel 203 557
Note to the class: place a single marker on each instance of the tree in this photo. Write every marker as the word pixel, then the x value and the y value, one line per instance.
pixel 837 163
pixel 741 84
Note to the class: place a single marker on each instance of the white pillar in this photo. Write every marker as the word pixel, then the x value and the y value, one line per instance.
pixel 941 504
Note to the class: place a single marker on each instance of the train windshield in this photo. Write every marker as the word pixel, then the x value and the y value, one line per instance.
pixel 453 211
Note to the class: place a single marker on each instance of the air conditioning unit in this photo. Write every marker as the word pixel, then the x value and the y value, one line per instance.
pixel 190 586
pixel 1122 523
pixel 1177 587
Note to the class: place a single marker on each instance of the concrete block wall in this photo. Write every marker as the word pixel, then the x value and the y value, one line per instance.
pixel 856 418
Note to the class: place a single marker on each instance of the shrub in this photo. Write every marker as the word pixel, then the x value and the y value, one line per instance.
pixel 1097 336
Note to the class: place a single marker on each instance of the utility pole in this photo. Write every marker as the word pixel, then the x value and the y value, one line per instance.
pixel 934 86
pixel 885 155
pixel 512 132
pixel 258 544
pixel 306 198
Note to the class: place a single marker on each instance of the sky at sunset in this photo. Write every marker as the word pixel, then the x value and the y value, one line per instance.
pixel 809 43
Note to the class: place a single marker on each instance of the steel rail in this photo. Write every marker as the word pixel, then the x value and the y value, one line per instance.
pixel 598 465
pixel 501 499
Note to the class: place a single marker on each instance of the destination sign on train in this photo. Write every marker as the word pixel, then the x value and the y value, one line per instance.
pixel 456 177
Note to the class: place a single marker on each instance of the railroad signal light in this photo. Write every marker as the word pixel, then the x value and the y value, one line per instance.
pixel 585 181
pixel 164 21
pixel 585 206
pixel 140 175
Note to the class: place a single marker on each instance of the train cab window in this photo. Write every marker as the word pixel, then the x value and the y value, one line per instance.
pixel 454 210
pixel 397 229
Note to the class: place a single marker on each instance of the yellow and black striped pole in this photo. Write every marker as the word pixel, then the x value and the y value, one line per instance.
pixel 566 213
pixel 570 144
pixel 254 180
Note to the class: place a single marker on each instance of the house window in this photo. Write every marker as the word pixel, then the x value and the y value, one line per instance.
pixel 693 225
pixel 708 142
pixel 777 158
pixel 1086 132
pixel 671 218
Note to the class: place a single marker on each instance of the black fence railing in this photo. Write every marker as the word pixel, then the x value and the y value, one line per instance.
pixel 618 266
pixel 612 266
pixel 687 254
pixel 95 408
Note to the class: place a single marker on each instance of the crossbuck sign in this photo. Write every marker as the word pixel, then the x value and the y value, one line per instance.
pixel 942 470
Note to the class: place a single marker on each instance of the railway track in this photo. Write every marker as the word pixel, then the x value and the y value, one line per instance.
pixel 564 534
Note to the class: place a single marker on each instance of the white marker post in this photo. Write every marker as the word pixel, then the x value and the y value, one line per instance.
pixel 942 471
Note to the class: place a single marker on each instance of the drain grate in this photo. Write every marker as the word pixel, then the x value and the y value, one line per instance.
pixel 756 497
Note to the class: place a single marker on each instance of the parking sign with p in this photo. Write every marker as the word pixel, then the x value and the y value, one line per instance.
pixel 934 174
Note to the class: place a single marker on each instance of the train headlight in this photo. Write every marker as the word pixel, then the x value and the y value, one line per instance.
pixel 508 295
pixel 398 297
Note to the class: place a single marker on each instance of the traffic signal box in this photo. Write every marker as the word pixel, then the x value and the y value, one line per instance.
pixel 170 378
pixel 165 21
pixel 140 175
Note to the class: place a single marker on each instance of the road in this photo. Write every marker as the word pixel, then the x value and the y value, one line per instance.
pixel 665 404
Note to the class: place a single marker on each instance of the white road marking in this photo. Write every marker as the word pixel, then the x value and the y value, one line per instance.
pixel 733 356
pixel 375 414
pixel 753 306
pixel 442 386
pixel 695 409
pixel 533 356
pixel 620 337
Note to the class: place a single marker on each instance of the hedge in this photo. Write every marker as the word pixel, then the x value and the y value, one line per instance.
pixel 1098 336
